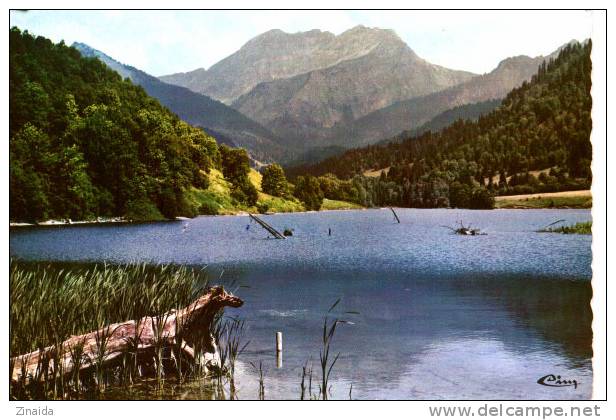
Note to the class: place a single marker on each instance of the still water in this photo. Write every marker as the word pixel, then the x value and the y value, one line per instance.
pixel 430 315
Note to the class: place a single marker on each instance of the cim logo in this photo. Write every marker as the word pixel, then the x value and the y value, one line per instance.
pixel 557 381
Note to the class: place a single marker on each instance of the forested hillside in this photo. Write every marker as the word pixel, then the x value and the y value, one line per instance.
pixel 84 142
pixel 543 125
pixel 200 110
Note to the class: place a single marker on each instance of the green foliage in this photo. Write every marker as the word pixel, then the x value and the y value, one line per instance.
pixel 308 191
pixel 545 123
pixel 236 167
pixel 209 207
pixel 336 189
pixel 481 199
pixel 85 143
pixel 263 207
pixel 274 181
pixel 142 210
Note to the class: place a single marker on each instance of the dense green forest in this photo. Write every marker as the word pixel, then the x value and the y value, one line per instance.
pixel 84 142
pixel 446 118
pixel 544 125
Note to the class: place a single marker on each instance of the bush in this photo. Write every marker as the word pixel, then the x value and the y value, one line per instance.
pixel 263 208
pixel 209 208
pixel 481 199
pixel 142 210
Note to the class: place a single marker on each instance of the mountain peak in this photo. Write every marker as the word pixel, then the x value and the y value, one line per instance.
pixel 277 55
pixel 371 33
pixel 277 38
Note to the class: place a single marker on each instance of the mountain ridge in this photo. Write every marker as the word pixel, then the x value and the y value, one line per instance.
pixel 370 87
pixel 407 115
pixel 276 54
pixel 536 141
pixel 305 107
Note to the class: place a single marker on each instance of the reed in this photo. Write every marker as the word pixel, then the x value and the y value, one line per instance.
pixel 259 370
pixel 581 228
pixel 324 355
pixel 51 302
pixel 306 374
pixel 233 343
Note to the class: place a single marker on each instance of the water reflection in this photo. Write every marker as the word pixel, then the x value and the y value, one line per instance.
pixel 404 329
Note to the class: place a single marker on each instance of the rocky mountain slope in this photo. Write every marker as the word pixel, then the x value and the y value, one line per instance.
pixel 302 85
pixel 412 113
pixel 316 90
pixel 276 55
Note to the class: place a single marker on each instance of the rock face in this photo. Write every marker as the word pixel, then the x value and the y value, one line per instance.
pixel 301 85
pixel 277 55
pixel 225 123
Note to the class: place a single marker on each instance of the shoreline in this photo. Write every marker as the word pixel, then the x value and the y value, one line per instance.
pixel 121 220
pixel 69 222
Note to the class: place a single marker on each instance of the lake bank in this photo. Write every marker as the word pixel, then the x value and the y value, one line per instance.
pixel 561 200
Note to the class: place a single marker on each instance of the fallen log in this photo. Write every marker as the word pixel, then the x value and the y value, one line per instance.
pixel 267 227
pixel 186 330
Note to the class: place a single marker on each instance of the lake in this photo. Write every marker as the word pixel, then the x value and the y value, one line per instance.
pixel 429 314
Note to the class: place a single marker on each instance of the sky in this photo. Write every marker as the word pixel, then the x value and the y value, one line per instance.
pixel 165 42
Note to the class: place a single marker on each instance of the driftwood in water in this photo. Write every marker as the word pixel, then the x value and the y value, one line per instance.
pixel 395 215
pixel 186 331
pixel 267 227
pixel 465 230
pixel 547 227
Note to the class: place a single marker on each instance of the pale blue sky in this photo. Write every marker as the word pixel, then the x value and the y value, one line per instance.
pixel 163 42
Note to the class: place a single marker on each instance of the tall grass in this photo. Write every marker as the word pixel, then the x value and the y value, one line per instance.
pixel 49 303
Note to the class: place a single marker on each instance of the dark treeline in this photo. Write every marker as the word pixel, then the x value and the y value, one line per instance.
pixel 544 124
pixel 85 143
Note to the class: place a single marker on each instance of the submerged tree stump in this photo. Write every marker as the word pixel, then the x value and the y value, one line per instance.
pixel 465 230
pixel 182 333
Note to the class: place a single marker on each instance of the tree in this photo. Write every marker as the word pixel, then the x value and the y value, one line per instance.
pixel 29 174
pixel 274 181
pixel 481 199
pixel 308 191
pixel 235 168
pixel 459 195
